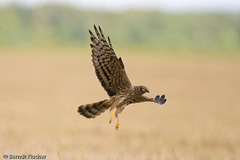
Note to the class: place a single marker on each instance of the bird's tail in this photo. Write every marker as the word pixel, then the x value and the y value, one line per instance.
pixel 94 109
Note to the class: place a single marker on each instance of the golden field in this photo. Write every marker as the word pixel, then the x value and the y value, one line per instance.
pixel 39 96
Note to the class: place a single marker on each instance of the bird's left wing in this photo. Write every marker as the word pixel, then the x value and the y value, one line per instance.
pixel 108 67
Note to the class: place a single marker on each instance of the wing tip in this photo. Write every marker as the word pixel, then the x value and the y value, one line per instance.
pixel 160 100
pixel 99 28
pixel 90 32
pixel 94 26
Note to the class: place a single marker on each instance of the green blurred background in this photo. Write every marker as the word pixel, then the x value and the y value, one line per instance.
pixel 59 26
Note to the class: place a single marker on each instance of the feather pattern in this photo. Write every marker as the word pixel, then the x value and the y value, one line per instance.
pixel 108 67
pixel 111 73
pixel 139 99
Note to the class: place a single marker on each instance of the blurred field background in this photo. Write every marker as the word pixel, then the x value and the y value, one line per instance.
pixel 46 73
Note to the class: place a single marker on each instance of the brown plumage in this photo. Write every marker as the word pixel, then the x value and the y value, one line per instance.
pixel 111 73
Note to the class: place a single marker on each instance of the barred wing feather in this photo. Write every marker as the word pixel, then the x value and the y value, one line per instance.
pixel 108 67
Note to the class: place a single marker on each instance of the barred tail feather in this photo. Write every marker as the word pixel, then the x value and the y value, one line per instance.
pixel 94 109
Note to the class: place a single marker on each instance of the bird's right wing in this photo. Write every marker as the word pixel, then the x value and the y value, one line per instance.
pixel 159 100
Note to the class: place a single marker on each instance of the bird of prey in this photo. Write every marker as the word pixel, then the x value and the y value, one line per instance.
pixel 111 73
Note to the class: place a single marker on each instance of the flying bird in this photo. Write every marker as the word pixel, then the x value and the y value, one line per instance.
pixel 111 73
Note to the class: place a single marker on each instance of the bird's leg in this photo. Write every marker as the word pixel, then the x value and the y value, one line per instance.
pixel 117 126
pixel 110 121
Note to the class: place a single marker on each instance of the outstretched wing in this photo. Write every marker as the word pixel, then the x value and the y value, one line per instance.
pixel 108 67
pixel 142 98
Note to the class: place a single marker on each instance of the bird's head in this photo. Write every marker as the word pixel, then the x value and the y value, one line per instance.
pixel 143 89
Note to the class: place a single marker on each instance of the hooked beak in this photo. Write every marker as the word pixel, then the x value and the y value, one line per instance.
pixel 147 91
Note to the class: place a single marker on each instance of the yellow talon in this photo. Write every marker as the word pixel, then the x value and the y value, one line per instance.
pixel 117 126
pixel 110 121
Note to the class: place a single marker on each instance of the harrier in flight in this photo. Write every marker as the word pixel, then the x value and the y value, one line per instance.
pixel 111 73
